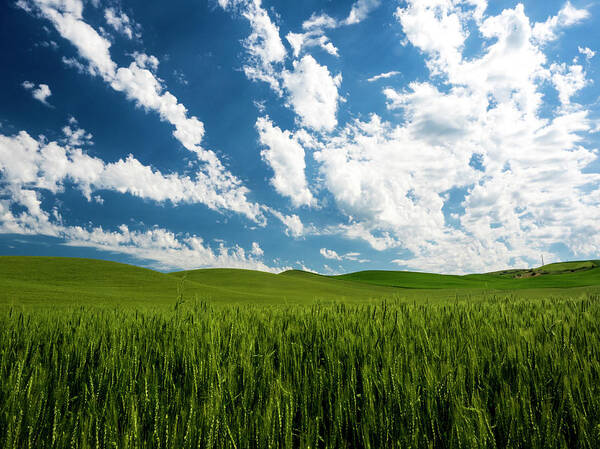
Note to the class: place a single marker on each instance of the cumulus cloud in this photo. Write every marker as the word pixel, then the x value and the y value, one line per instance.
pixel 315 26
pixel 588 53
pixel 360 10
pixel 166 250
pixel 293 224
pixel 434 27
pixel 28 167
pixel 285 156
pixel 566 17
pixel 525 195
pixel 140 85
pixel 300 41
pixel 26 163
pixel 256 250
pixel 265 49
pixel 67 18
pixel 157 247
pixel 145 61
pixel 312 90
pixel 568 80
pixel 319 21
pixel 76 136
pixel 120 22
pixel 313 93
pixel 528 190
pixel 40 93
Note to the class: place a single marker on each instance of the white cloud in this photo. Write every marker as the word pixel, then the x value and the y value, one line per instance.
pixel 298 41
pixel 585 51
pixel 264 46
pixel 566 17
pixel 76 136
pixel 313 93
pixel 383 76
pixel 480 7
pixel 527 192
pixel 329 254
pixel 310 87
pixel 166 250
pixel 360 10
pixel 434 27
pixel 74 63
pixel 293 224
pixel 141 86
pixel 119 21
pixel 48 44
pixel 40 93
pixel 28 167
pixel 366 232
pixel 26 163
pixel 24 5
pixel 256 250
pixel 145 61
pixel 354 256
pixel 568 80
pixel 66 16
pixel 160 248
pixel 319 21
pixel 328 46
pixel 394 181
pixel 285 156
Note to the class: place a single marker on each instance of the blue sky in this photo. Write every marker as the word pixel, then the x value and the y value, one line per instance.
pixel 439 135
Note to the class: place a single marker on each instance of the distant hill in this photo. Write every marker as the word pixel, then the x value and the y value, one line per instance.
pixel 553 268
pixel 58 280
pixel 291 286
pixel 556 275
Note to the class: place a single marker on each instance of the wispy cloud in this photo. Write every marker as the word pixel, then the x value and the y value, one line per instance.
pixel 385 75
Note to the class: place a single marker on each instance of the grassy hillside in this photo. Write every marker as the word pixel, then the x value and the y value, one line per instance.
pixel 285 287
pixel 55 280
pixel 38 280
pixel 558 275
pixel 552 268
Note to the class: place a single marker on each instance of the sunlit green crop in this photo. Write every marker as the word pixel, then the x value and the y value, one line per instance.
pixel 502 373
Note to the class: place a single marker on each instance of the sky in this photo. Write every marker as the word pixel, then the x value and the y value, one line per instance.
pixel 331 136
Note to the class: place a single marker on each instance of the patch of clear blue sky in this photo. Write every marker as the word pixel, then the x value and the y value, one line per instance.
pixel 203 43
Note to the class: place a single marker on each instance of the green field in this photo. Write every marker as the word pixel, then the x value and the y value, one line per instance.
pixel 96 354
pixel 38 281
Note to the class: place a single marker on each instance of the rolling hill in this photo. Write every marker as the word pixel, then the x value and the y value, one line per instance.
pixel 56 280
pixel 52 280
pixel 557 275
